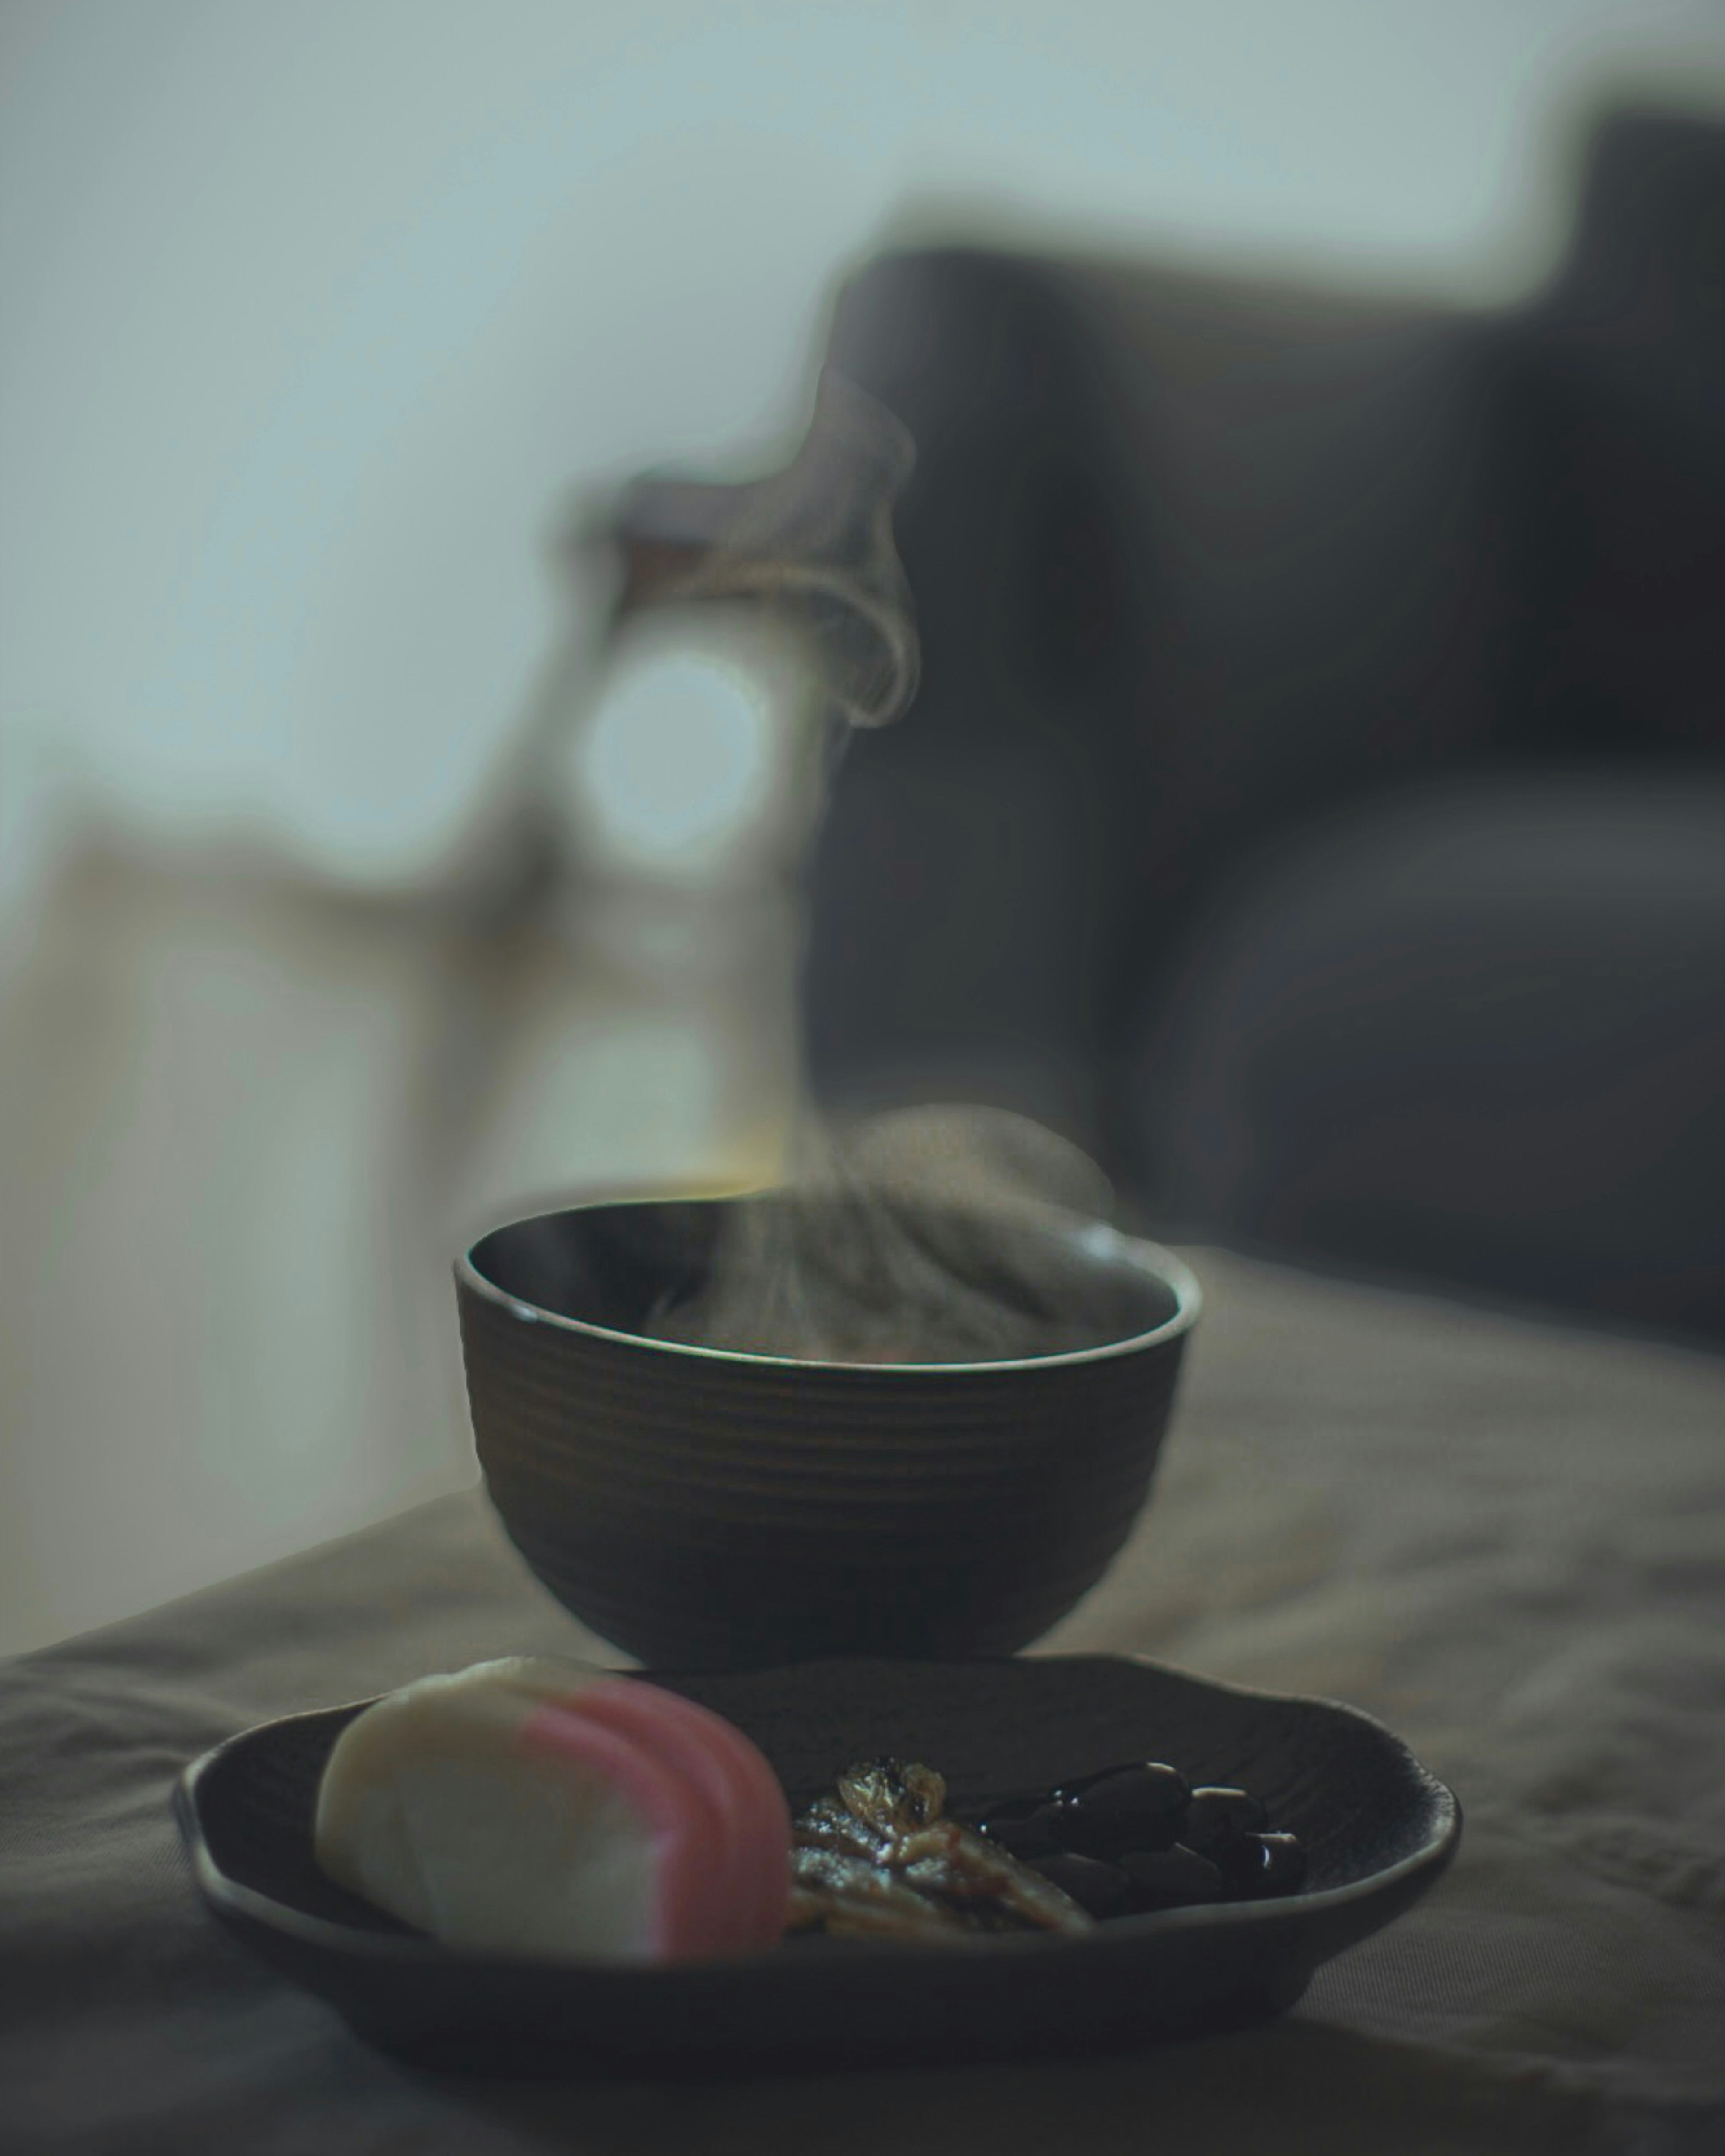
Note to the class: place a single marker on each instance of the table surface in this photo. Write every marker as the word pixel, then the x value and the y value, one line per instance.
pixel 1504 1537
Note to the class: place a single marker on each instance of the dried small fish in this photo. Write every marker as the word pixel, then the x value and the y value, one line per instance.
pixel 848 1898
pixel 892 1797
pixel 880 1859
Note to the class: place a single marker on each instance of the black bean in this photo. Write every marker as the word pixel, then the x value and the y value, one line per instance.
pixel 1141 1807
pixel 1171 1878
pixel 1080 1785
pixel 1259 1866
pixel 1026 1833
pixel 1103 1889
pixel 1216 1816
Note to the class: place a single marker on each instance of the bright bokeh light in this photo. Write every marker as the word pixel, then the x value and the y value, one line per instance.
pixel 679 760
pixel 681 767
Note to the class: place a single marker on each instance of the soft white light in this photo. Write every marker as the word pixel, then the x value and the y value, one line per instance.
pixel 681 765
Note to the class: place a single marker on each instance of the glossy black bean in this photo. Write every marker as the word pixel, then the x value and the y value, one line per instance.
pixel 1141 1807
pixel 1260 1866
pixel 1103 1889
pixel 1216 1816
pixel 1171 1878
pixel 1081 1785
pixel 1025 1834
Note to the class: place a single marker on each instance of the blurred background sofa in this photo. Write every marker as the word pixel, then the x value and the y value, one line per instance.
pixel 1311 804
pixel 1315 802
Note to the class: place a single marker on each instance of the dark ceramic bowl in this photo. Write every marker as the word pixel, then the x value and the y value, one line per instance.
pixel 1378 1829
pixel 706 1509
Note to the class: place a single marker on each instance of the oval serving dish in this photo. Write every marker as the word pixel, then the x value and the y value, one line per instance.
pixel 1377 1828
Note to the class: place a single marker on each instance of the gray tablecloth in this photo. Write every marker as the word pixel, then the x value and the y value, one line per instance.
pixel 1507 1539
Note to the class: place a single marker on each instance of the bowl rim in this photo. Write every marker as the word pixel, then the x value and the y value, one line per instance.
pixel 1146 1256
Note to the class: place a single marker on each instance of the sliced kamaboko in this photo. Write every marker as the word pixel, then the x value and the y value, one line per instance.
pixel 500 1823
pixel 710 1751
pixel 715 1756
pixel 491 1809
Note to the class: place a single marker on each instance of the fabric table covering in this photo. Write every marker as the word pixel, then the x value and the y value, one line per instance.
pixel 1504 1537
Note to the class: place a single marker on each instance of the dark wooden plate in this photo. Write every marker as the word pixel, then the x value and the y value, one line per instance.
pixel 1378 1828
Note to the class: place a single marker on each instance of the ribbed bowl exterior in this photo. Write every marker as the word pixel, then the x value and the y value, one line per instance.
pixel 705 1510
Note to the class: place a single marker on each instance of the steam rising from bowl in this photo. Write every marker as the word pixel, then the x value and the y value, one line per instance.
pixel 918 1237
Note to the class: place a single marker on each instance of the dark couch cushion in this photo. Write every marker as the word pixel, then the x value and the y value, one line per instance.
pixel 1478 1032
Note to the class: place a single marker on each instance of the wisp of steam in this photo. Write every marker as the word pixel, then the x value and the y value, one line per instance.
pixel 814 542
pixel 934 1234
